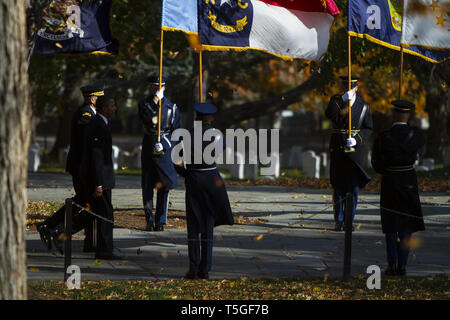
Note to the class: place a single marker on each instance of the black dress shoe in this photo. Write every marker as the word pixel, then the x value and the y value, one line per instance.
pixel 338 226
pixel 203 275
pixel 45 235
pixel 108 256
pixel 390 271
pixel 159 228
pixel 58 237
pixel 149 227
pixel 401 271
pixel 190 275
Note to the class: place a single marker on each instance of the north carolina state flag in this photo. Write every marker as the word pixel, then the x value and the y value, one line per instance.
pixel 286 28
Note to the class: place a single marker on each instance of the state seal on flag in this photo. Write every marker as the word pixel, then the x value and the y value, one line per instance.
pixel 62 20
pixel 227 19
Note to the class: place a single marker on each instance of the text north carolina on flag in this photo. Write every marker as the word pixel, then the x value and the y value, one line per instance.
pixel 289 29
pixel 426 23
pixel 74 26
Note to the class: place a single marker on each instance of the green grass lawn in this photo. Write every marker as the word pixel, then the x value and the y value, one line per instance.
pixel 413 288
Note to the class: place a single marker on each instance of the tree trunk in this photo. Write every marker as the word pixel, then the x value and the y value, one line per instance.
pixel 14 141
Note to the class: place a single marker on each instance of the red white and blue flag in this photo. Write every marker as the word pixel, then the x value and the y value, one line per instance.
pixel 286 28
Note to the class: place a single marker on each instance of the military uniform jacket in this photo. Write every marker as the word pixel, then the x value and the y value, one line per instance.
pixel 161 166
pixel 206 193
pixel 346 169
pixel 394 153
pixel 80 119
pixel 97 165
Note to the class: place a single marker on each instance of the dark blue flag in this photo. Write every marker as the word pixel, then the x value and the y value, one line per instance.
pixel 380 21
pixel 225 23
pixel 75 26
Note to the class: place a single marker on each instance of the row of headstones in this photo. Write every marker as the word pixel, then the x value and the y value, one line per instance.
pixel 310 162
pixel 121 158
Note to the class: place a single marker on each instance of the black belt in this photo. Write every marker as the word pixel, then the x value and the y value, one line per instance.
pixel 155 133
pixel 202 169
pixel 345 131
pixel 400 168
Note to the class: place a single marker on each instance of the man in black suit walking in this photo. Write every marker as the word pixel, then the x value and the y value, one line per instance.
pixel 80 120
pixel 98 174
pixel 97 179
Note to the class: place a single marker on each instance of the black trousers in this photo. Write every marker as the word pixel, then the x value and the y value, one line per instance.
pixel 103 207
pixel 200 245
pixel 82 198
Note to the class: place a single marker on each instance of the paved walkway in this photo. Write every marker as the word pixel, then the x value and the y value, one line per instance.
pixel 296 240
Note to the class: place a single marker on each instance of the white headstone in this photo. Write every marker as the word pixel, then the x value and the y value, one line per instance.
pixel 325 164
pixel 311 164
pixel 34 159
pixel 115 157
pixel 237 168
pixel 429 163
pixel 136 156
pixel 324 159
pixel 62 156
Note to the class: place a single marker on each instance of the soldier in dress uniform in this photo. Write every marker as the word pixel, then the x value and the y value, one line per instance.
pixel 207 203
pixel 80 120
pixel 157 167
pixel 346 168
pixel 393 156
pixel 97 179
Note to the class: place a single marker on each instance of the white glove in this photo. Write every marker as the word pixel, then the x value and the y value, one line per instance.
pixel 158 147
pixel 351 142
pixel 349 95
pixel 160 94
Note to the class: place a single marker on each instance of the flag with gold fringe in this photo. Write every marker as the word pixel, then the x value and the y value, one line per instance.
pixel 285 28
pixel 75 26
pixel 380 21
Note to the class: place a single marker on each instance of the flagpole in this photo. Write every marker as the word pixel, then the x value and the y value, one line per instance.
pixel 349 89
pixel 160 83
pixel 400 86
pixel 200 57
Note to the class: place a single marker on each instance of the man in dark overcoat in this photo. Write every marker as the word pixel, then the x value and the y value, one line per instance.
pixel 347 174
pixel 97 179
pixel 158 171
pixel 79 122
pixel 394 154
pixel 207 203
